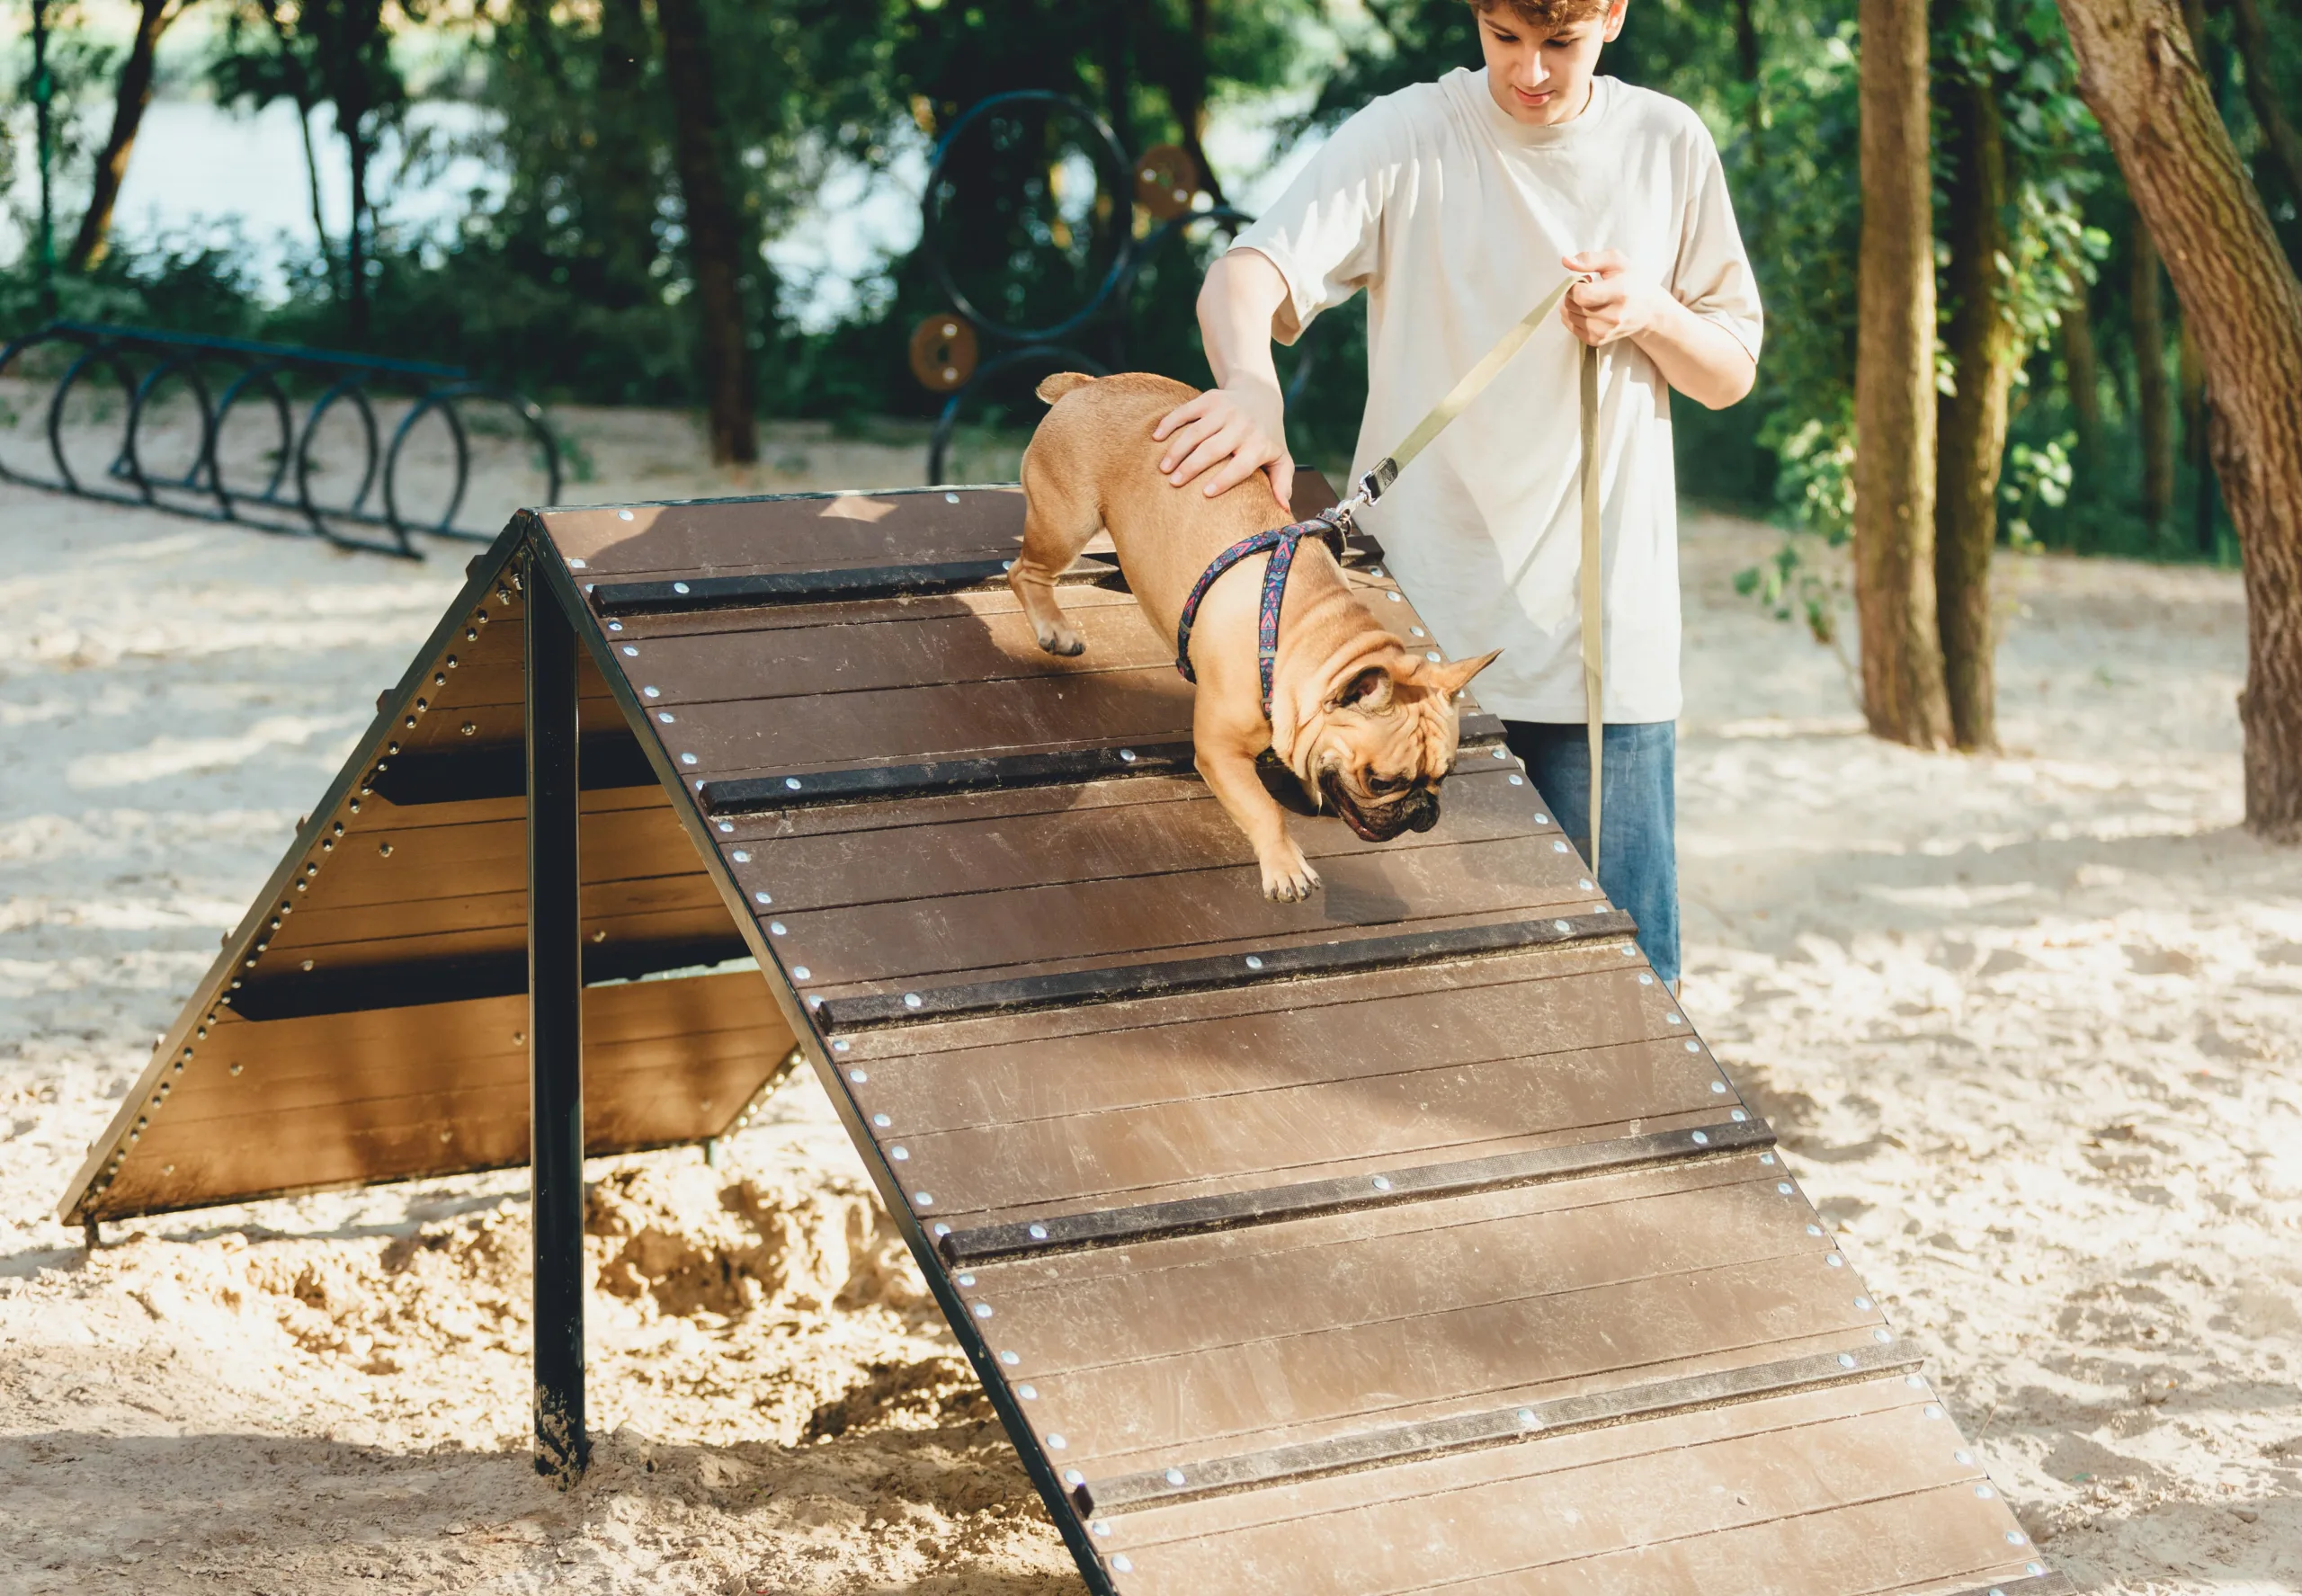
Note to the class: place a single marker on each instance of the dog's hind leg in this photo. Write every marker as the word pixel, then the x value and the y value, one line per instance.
pixel 1058 521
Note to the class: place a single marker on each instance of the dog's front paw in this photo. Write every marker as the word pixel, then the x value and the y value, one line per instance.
pixel 1288 876
pixel 1059 638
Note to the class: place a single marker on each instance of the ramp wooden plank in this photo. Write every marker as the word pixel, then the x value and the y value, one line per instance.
pixel 1860 1500
pixel 793 532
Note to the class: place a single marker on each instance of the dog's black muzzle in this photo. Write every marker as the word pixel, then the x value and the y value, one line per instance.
pixel 1415 810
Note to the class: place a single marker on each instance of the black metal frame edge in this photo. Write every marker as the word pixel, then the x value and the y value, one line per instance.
pixel 1307 1199
pixel 815 1044
pixel 1533 1420
pixel 1301 961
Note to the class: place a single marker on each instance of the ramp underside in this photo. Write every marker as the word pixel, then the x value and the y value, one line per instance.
pixel 367 1019
pixel 1404 1239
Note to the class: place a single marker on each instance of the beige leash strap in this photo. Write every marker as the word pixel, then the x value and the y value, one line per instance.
pixel 1372 485
pixel 1594 670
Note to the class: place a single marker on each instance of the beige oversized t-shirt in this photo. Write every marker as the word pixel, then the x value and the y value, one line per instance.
pixel 1453 217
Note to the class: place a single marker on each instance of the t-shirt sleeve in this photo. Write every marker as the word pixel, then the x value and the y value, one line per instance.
pixel 1712 276
pixel 1325 233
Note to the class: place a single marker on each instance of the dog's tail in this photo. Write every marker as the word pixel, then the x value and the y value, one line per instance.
pixel 1062 383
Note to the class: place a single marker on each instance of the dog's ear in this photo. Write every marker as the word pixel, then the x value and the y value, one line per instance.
pixel 1455 675
pixel 1368 689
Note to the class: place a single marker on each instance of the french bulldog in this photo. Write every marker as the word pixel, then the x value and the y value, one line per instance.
pixel 1364 723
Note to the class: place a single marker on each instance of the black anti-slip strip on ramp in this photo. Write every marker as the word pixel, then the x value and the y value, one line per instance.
pixel 1498 1427
pixel 1110 1228
pixel 1229 969
pixel 809 789
pixel 821 587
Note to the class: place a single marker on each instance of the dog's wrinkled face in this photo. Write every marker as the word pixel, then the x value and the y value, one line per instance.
pixel 1385 742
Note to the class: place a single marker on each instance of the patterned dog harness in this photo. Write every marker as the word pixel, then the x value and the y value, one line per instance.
pixel 1282 542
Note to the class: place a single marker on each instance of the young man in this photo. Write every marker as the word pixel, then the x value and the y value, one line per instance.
pixel 1458 205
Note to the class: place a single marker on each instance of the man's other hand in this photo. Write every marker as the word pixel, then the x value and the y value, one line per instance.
pixel 1618 303
pixel 1227 435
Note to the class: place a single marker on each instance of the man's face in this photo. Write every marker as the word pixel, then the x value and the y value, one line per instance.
pixel 1540 77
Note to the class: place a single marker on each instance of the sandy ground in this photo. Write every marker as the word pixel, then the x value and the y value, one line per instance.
pixel 2030 1027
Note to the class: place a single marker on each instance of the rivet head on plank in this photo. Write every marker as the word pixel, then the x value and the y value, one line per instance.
pixel 1397 600
pixel 950 498
pixel 1011 1359
pixel 1863 1303
pixel 1916 1382
pixel 911 1000
pixel 1253 963
pixel 1057 1442
pixel 1720 1087
pixel 1694 1046
pixel 943 1230
pixel 926 1199
pixel 1039 1233
pixel 983 1310
pixel 630 651
pixel 1965 1458
pixel 1835 1262
pixel 1502 753
pixel 665 715
pixel 1529 1419
pixel 841 1047
pixel 1585 885
pixel 1028 1393
pixel 653 692
pixel 1846 1360
pixel 1882 1336
pixel 614 626
pixel 1542 820
pixel 1432 655
pixel 881 1120
pixel 800 972
pixel 1123 1563
pixel 687 759
pixel 792 783
pixel 775 928
pixel 1382 1182
pixel 2015 1537
pixel 1811 1229
pixel 741 856
pixel 1674 1020
pixel 1100 1527
pixel 858 1076
pixel 679 587
pixel 726 826
pixel 1702 1138
pixel 1174 1476
pixel 2034 1568
pixel 623 515
pixel 1127 755
pixel 762 899
pixel 900 1154
pixel 1767 1158
pixel 1518 780
pixel 1784 1187
pixel 1559 847
pixel 1561 927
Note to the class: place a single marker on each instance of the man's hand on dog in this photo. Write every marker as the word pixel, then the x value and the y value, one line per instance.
pixel 1618 303
pixel 1233 433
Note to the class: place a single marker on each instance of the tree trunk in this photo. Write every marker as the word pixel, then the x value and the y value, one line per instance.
pixel 355 249
pixel 2254 48
pixel 621 203
pixel 1971 444
pixel 312 186
pixel 2154 405
pixel 714 234
pixel 2143 83
pixel 2085 369
pixel 134 93
pixel 1894 386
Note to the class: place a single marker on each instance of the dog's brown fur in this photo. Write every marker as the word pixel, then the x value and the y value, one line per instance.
pixel 1366 723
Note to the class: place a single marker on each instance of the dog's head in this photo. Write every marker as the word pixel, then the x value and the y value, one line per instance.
pixel 1381 737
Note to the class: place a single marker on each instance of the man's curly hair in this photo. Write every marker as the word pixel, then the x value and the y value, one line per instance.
pixel 1541 14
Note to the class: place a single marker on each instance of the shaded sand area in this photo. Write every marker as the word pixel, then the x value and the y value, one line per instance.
pixel 2031 1027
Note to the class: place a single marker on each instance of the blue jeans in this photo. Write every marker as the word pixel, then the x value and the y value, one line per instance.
pixel 1638 863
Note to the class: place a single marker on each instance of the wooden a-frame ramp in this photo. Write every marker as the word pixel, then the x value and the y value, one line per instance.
pixel 1406 1239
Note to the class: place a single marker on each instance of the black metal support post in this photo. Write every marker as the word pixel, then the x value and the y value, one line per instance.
pixel 555 1038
